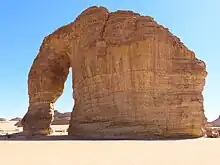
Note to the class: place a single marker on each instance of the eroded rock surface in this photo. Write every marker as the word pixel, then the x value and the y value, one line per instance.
pixel 16 119
pixel 59 119
pixel 212 133
pixel 131 78
pixel 215 123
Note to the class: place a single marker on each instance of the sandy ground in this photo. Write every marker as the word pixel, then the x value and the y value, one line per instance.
pixel 7 128
pixel 201 151
pixel 181 152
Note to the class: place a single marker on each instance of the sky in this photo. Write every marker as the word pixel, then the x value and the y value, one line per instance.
pixel 24 24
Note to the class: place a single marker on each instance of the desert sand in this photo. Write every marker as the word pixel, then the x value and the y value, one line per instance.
pixel 201 151
pixel 181 152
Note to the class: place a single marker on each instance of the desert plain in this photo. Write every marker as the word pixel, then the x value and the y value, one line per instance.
pixel 199 151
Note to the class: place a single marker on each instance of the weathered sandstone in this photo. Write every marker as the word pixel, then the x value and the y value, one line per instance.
pixel 212 133
pixel 131 78
pixel 16 119
pixel 215 123
pixel 59 119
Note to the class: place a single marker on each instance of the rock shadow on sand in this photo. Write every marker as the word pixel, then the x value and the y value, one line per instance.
pixel 23 137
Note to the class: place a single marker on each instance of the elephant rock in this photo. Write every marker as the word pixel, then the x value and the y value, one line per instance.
pixel 131 78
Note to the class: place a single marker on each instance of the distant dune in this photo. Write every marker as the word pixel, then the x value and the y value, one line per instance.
pixel 182 152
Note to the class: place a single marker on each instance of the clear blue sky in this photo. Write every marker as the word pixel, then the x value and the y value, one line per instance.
pixel 24 23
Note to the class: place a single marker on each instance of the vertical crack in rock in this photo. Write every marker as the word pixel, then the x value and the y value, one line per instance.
pixel 104 25
pixel 132 78
pixel 102 45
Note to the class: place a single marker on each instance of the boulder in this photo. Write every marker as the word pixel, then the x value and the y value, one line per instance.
pixel 212 133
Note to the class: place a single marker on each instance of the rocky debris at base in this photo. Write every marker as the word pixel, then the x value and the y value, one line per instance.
pixel 212 133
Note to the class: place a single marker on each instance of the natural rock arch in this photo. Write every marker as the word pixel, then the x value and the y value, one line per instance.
pixel 131 77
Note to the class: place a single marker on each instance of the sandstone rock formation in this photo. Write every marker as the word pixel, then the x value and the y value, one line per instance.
pixel 215 123
pixel 59 119
pixel 212 133
pixel 131 78
pixel 18 124
pixel 16 119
